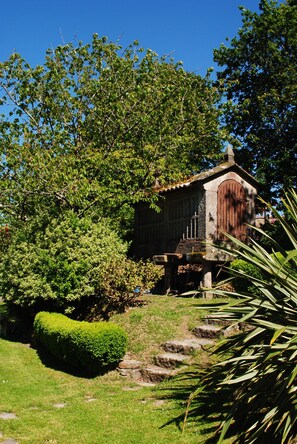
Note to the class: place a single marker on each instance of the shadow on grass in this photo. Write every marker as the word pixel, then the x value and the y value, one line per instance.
pixel 208 407
pixel 212 404
pixel 50 361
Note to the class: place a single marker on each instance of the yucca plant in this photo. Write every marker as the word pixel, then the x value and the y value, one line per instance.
pixel 259 364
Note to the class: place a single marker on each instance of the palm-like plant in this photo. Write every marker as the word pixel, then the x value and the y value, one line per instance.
pixel 260 363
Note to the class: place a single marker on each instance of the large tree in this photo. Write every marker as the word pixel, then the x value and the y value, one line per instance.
pixel 96 127
pixel 260 84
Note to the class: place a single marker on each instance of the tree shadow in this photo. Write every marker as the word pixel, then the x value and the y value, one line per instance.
pixel 209 402
pixel 50 361
pixel 208 406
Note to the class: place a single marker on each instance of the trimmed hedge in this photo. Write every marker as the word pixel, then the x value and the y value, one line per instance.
pixel 94 347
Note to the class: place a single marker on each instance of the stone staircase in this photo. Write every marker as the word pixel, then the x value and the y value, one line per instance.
pixel 175 356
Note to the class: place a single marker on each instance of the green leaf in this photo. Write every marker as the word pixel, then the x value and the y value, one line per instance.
pixel 242 378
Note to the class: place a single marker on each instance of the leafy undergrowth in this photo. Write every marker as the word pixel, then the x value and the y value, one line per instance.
pixel 56 407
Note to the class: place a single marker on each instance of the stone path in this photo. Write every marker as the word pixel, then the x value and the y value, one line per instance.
pixel 7 416
pixel 8 441
pixel 176 354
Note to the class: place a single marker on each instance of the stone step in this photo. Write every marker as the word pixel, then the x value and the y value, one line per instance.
pixel 186 346
pixel 227 327
pixel 215 319
pixel 130 368
pixel 170 360
pixel 129 363
pixel 154 373
pixel 208 331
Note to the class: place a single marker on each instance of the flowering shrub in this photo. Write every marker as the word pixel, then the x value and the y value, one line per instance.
pixel 75 267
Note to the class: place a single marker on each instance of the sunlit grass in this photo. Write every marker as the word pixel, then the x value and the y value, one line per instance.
pixel 162 319
pixel 54 406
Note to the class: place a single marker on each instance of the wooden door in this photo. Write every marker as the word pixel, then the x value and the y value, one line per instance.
pixel 232 210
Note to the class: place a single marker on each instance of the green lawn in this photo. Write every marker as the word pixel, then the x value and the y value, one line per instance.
pixel 53 406
pixel 162 319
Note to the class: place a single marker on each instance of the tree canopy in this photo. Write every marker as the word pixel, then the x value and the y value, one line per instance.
pixel 259 79
pixel 94 128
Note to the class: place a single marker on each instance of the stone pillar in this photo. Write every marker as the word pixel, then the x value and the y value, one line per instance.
pixel 170 276
pixel 211 205
pixel 171 261
pixel 207 278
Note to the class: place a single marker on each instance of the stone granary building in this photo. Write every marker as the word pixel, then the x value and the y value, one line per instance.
pixel 194 216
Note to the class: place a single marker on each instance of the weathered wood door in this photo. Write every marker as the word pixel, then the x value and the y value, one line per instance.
pixel 232 210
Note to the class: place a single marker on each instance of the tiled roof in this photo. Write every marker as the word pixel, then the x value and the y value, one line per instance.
pixel 208 175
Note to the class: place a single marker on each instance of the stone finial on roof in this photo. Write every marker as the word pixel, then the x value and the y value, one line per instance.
pixel 229 154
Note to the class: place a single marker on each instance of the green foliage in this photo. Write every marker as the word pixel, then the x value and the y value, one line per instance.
pixel 259 364
pixel 4 238
pixel 3 319
pixel 259 79
pixel 274 231
pixel 244 272
pixel 74 266
pixel 94 347
pixel 13 326
pixel 96 126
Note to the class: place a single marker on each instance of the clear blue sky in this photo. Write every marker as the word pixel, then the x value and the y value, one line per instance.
pixel 189 29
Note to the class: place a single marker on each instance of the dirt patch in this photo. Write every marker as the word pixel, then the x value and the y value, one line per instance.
pixel 131 389
pixel 59 406
pixel 90 399
pixel 159 402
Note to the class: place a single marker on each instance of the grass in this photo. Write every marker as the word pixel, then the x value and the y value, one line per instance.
pixel 57 407
pixel 162 319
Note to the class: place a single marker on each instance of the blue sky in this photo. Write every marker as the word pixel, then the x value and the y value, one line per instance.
pixel 187 29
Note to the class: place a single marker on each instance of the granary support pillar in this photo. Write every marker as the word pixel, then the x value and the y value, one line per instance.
pixel 207 278
pixel 170 276
pixel 170 261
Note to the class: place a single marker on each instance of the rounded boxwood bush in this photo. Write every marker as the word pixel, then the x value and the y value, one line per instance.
pixel 93 347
